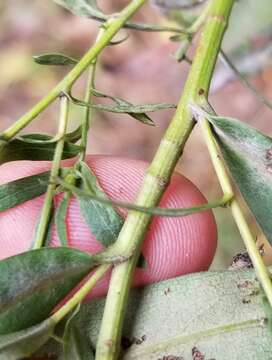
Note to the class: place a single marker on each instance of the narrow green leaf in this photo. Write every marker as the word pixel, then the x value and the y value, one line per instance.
pixel 37 138
pixel 190 313
pixel 133 109
pixel 124 107
pixel 32 283
pixel 248 154
pixel 104 222
pixel 18 345
pixel 89 9
pixel 142 117
pixel 30 148
pixel 60 219
pixel 18 191
pixel 85 8
pixel 54 59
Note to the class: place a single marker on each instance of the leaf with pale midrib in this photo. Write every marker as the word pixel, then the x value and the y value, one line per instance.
pixel 208 311
pixel 32 283
pixel 248 154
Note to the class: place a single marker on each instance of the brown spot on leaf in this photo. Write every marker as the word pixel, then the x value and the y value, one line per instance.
pixel 127 342
pixel 268 154
pixel 246 301
pixel 167 291
pixel 245 284
pixel 196 354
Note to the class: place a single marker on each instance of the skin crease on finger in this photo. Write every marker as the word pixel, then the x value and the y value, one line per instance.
pixel 172 246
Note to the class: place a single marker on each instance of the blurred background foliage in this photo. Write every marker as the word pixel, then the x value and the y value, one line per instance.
pixel 142 69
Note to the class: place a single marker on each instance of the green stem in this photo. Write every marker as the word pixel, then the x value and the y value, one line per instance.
pixel 88 111
pixel 47 206
pixel 250 243
pixel 245 81
pixel 88 99
pixel 112 26
pixel 80 294
pixel 158 175
pixel 158 211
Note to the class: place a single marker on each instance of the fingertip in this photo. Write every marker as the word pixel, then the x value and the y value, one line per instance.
pixel 172 247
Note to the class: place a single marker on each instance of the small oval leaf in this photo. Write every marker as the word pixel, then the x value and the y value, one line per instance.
pixel 54 59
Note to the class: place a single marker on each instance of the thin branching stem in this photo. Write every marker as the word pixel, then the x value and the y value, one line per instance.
pixel 158 211
pixel 79 296
pixel 88 111
pixel 262 98
pixel 112 26
pixel 48 201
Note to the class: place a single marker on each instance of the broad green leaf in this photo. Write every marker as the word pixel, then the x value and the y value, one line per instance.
pixel 32 283
pixel 19 344
pixel 104 222
pixel 18 191
pixel 219 314
pixel 31 149
pixel 60 219
pixel 54 59
pixel 248 154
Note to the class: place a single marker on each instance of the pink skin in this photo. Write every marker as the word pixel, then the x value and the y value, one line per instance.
pixel 172 247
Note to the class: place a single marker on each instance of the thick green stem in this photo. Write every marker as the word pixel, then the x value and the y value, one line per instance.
pixel 250 243
pixel 159 174
pixel 47 206
pixel 111 27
